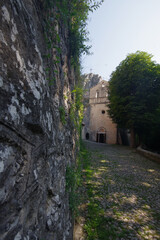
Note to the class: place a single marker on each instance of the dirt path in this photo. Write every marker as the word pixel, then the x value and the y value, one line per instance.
pixel 121 195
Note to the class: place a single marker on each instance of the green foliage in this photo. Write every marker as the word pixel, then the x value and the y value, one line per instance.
pixel 134 93
pixel 76 111
pixel 78 34
pixel 52 39
pixel 62 115
pixel 151 137
pixel 71 187
pixel 96 221
pixel 74 15
pixel 74 181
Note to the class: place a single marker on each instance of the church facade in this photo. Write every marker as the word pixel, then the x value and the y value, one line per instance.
pixel 97 125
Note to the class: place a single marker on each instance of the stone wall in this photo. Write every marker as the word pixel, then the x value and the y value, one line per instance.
pixel 151 155
pixel 35 147
pixel 90 80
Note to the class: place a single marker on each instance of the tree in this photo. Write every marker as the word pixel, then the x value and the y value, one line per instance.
pixel 134 94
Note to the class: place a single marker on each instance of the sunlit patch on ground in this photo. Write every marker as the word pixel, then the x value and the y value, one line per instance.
pixel 151 170
pixel 132 199
pixel 146 184
pixel 157 179
pixel 104 161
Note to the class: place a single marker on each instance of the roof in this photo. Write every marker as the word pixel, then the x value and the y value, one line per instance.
pixel 100 83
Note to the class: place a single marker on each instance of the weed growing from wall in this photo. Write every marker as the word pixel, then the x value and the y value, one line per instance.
pixel 52 39
pixel 76 111
pixel 62 115
pixel 74 180
pixel 72 188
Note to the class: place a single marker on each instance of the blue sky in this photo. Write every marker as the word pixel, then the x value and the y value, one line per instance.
pixel 120 27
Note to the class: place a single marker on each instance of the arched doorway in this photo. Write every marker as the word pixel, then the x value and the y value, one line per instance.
pixel 87 136
pixel 101 135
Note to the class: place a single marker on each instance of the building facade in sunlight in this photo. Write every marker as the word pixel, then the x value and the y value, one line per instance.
pixel 97 125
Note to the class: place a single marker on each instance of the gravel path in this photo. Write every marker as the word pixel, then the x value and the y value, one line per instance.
pixel 127 188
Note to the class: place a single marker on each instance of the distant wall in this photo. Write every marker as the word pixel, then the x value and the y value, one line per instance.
pixel 90 80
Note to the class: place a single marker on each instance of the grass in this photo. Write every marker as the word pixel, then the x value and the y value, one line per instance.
pixel 96 222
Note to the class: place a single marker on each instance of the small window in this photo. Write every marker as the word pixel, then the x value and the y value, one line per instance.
pixel 103 85
pixel 103 112
pixel 97 94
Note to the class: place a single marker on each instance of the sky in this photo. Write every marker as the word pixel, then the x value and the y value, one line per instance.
pixel 120 27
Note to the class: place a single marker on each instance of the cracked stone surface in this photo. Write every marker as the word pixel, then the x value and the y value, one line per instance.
pixel 35 147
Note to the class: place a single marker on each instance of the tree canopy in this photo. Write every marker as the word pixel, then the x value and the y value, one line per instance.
pixel 134 93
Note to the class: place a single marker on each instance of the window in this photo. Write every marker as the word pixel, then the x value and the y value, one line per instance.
pixel 103 112
pixel 97 94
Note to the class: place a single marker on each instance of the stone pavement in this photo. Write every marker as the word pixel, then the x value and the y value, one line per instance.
pixel 127 187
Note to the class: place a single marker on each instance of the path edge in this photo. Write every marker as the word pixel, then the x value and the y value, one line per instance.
pixel 152 156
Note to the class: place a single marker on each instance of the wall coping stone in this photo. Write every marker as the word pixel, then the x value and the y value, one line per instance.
pixel 152 156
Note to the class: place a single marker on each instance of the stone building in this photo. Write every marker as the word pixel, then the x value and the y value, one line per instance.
pixel 97 125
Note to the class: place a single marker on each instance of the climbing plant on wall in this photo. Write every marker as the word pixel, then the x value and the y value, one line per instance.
pixel 74 15
pixel 71 14
pixel 69 18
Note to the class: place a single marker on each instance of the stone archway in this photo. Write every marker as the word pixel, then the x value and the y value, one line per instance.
pixel 101 135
